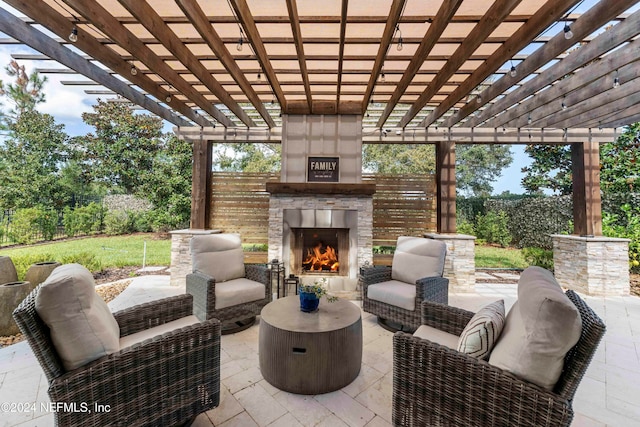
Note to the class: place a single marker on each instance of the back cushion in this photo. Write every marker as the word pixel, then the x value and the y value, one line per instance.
pixel 539 330
pixel 416 258
pixel 218 255
pixel 82 326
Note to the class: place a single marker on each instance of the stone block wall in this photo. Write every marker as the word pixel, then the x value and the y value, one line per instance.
pixel 592 265
pixel 459 264
pixel 181 254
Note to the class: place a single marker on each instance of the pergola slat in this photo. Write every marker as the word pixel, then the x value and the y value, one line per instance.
pixel 297 37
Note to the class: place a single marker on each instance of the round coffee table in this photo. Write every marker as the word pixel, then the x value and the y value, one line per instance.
pixel 310 353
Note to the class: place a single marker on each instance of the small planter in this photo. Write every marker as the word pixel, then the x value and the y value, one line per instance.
pixel 39 272
pixel 308 302
pixel 11 295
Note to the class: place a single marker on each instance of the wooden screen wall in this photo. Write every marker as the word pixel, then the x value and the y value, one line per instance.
pixel 402 205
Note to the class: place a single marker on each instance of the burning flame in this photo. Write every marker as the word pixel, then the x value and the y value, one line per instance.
pixel 318 260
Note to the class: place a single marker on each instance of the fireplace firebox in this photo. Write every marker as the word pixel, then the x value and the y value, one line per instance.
pixel 320 251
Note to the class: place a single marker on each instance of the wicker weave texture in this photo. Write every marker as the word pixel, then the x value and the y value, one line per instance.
pixel 162 381
pixel 203 289
pixel 437 386
pixel 431 288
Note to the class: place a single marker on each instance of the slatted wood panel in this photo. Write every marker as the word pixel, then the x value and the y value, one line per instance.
pixel 402 205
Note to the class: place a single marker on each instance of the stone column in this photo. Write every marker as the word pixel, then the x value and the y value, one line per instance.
pixel 181 254
pixel 592 265
pixel 459 264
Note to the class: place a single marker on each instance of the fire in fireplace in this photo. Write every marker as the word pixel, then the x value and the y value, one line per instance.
pixel 318 250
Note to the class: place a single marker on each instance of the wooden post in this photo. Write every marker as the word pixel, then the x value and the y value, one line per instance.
pixel 587 209
pixel 446 186
pixel 201 185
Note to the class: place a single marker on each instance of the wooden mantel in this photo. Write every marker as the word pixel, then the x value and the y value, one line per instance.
pixel 347 189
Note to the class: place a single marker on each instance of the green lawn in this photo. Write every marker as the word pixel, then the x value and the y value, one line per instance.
pixel 495 257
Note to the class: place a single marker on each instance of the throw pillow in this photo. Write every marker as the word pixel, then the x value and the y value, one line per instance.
pixel 82 326
pixel 482 331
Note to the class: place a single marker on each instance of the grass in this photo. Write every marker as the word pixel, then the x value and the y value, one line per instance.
pixel 112 251
pixel 496 257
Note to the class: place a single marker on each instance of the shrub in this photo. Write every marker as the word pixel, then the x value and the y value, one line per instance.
pixel 23 262
pixel 465 227
pixel 119 222
pixel 32 224
pixel 83 220
pixel 538 256
pixel 626 226
pixel 493 228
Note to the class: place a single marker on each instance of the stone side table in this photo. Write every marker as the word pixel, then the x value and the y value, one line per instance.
pixel 310 353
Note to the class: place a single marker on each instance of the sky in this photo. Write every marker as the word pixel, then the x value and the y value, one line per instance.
pixel 67 103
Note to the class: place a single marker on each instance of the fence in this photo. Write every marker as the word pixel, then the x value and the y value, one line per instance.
pixel 402 205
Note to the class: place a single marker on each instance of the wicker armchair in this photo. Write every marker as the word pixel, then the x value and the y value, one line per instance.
pixel 167 380
pixel 223 287
pixel 435 385
pixel 415 276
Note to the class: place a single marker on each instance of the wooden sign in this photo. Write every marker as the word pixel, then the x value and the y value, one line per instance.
pixel 323 169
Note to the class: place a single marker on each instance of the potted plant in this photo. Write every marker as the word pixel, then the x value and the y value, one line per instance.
pixel 310 295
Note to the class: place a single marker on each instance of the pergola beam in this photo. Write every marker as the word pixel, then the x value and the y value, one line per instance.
pixel 343 33
pixel 498 11
pixel 60 25
pixel 538 106
pixel 199 20
pixel 385 41
pixel 251 30
pixel 15 27
pixel 148 17
pixel 119 33
pixel 547 14
pixel 297 37
pixel 594 18
pixel 447 10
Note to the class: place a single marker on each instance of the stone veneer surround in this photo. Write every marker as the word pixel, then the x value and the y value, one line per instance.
pixel 363 204
pixel 592 265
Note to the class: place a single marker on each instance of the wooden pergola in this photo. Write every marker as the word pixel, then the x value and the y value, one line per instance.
pixel 438 72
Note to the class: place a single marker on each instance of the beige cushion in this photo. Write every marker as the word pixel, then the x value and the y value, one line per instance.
pixel 436 335
pixel 394 292
pixel 539 330
pixel 238 291
pixel 82 326
pixel 218 255
pixel 416 258
pixel 138 337
pixel 481 333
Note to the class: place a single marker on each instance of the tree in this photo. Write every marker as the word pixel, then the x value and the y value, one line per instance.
pixel 30 161
pixel 24 94
pixel 123 147
pixel 247 157
pixel 550 169
pixel 168 183
pixel 619 162
pixel 619 170
pixel 476 165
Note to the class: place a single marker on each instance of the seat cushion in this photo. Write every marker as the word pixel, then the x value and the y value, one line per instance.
pixel 82 326
pixel 481 333
pixel 416 258
pixel 218 255
pixel 436 335
pixel 540 328
pixel 138 337
pixel 238 291
pixel 394 292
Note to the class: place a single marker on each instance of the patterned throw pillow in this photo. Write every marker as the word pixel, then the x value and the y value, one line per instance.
pixel 482 331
